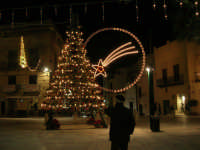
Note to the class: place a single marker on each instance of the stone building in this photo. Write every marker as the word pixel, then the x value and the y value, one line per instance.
pixel 177 77
pixel 22 90
pixel 120 79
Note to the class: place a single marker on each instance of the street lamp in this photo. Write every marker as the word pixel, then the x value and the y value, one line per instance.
pixel 46 69
pixel 154 124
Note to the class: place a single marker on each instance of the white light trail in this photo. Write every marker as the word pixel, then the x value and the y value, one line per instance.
pixel 115 58
pixel 120 47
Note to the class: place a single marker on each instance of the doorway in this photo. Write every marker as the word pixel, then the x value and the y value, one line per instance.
pixel 12 106
pixel 166 107
pixel 180 105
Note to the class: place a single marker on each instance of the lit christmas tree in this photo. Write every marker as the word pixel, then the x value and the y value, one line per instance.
pixel 73 85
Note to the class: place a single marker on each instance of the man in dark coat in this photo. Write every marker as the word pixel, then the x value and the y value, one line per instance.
pixel 122 124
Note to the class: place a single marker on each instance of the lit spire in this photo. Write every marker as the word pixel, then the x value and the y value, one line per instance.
pixel 22 59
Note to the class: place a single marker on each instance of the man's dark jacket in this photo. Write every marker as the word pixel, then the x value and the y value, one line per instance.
pixel 122 123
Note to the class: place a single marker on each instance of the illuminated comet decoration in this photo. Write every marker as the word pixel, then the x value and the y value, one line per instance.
pixel 22 58
pixel 123 50
pixel 116 54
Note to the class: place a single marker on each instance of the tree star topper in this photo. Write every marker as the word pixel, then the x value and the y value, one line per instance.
pixel 99 69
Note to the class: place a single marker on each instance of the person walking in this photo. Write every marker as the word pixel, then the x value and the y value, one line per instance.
pixel 122 124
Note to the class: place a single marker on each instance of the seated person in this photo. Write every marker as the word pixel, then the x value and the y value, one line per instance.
pixel 52 124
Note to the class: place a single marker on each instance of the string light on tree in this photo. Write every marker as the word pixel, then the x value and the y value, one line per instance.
pixel 73 83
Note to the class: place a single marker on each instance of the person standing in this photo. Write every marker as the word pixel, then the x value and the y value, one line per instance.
pixel 122 124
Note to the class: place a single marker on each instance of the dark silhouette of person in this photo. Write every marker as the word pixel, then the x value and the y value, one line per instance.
pixel 122 124
pixel 52 124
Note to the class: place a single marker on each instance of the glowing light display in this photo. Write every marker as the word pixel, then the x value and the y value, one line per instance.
pixel 117 53
pixel 123 50
pixel 22 58
pixel 99 69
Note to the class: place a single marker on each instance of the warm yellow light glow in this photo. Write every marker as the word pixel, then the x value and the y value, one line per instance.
pixel 22 59
pixel 183 99
pixel 46 69
pixel 148 69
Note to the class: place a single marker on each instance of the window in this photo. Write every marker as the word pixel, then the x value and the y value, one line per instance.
pixel 33 57
pixel 164 74
pixel 12 60
pixel 176 72
pixel 11 80
pixel 33 79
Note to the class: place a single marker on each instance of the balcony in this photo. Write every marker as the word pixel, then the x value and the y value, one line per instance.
pixel 170 81
pixel 20 88
pixel 9 89
pixel 30 88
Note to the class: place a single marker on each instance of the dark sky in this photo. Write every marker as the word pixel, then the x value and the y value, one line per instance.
pixel 116 13
pixel 152 28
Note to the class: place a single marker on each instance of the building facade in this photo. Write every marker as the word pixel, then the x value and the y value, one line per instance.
pixel 177 77
pixel 22 90
pixel 120 78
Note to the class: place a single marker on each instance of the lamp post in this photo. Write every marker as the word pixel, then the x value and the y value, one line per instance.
pixel 151 99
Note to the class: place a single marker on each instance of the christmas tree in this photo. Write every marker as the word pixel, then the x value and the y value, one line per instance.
pixel 73 85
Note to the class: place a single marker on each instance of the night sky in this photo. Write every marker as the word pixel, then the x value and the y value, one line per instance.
pixel 152 28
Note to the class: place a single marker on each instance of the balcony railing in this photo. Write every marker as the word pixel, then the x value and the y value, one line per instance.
pixel 30 88
pixel 9 88
pixel 170 81
pixel 20 88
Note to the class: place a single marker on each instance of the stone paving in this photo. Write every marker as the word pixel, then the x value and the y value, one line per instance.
pixel 182 133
